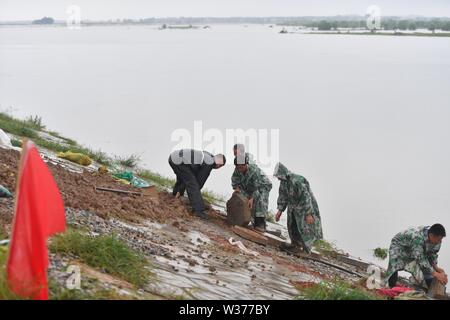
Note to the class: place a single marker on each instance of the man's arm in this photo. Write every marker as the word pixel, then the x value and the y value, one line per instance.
pixel 235 180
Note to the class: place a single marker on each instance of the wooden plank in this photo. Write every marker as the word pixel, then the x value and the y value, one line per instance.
pixel 117 191
pixel 316 258
pixel 352 262
pixel 251 235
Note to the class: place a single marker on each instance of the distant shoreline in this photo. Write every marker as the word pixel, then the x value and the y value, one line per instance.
pixel 354 32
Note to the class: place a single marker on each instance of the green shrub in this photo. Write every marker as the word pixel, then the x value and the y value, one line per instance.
pixel 336 290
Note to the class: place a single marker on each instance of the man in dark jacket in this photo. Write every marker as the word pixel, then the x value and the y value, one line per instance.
pixel 192 168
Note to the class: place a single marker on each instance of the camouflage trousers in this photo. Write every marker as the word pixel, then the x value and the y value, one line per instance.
pixel 399 260
pixel 300 232
pixel 260 203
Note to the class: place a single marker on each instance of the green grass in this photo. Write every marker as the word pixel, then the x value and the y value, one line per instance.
pixel 16 126
pixel 131 161
pixel 104 252
pixel 336 290
pixel 35 122
pixel 156 178
pixel 380 253
pixel 212 197
pixel 5 293
pixel 326 248
pixel 66 140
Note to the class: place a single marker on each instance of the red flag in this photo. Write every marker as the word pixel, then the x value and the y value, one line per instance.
pixel 39 213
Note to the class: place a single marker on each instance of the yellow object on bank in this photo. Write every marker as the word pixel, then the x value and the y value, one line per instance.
pixel 79 158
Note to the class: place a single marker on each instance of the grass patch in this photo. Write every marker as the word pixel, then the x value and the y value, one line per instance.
pixel 380 253
pixel 326 248
pixel 35 122
pixel 66 140
pixel 336 290
pixel 16 126
pixel 5 293
pixel 212 197
pixel 131 161
pixel 156 178
pixel 104 252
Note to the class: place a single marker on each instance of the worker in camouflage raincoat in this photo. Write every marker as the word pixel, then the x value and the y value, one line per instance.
pixel 251 182
pixel 303 220
pixel 242 156
pixel 416 251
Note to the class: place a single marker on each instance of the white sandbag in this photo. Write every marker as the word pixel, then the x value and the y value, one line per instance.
pixel 5 140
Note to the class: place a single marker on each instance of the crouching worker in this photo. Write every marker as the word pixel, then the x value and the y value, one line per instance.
pixel 303 220
pixel 416 251
pixel 252 183
pixel 192 169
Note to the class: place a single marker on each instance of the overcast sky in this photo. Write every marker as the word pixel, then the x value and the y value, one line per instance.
pixel 112 9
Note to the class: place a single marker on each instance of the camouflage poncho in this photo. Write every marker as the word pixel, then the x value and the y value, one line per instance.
pixel 411 251
pixel 254 184
pixel 237 176
pixel 296 195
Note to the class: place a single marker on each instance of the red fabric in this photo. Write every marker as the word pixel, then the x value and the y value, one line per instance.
pixel 39 214
pixel 393 292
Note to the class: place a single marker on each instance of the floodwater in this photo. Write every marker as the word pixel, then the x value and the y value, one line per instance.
pixel 365 119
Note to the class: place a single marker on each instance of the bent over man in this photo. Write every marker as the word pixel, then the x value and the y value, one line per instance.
pixel 192 168
pixel 416 251
pixel 251 181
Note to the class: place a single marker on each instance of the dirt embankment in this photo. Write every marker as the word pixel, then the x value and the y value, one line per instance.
pixel 78 192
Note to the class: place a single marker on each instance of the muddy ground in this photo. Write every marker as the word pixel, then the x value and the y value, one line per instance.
pixel 189 257
pixel 78 193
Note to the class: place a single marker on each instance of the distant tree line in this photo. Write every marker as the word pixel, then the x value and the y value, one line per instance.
pixel 386 24
pixel 44 20
pixel 317 22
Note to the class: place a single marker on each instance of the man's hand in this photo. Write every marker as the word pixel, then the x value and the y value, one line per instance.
pixel 439 270
pixel 250 203
pixel 441 277
pixel 278 216
pixel 309 219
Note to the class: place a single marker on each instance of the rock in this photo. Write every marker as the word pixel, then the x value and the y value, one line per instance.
pixel 238 212
pixel 437 290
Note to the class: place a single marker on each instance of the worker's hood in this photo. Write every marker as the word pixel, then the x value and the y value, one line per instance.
pixel 281 172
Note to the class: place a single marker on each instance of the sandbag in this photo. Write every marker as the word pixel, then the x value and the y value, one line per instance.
pixel 238 212
pixel 5 140
pixel 79 158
